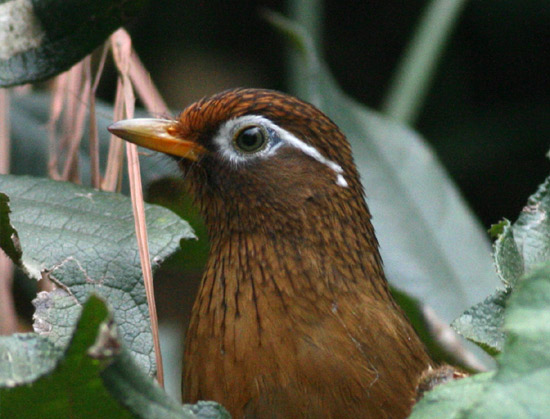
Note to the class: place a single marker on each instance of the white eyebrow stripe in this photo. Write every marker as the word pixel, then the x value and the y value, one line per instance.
pixel 223 139
pixel 341 181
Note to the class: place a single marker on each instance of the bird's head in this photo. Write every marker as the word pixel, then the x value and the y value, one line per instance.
pixel 264 155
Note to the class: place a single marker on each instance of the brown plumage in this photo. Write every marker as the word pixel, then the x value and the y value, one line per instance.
pixel 294 317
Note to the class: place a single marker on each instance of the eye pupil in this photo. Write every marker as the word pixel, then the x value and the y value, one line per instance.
pixel 251 139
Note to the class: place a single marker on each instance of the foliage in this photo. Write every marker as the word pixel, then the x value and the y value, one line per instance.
pixel 87 362
pixel 83 240
pixel 518 388
pixel 514 323
pixel 95 377
pixel 519 249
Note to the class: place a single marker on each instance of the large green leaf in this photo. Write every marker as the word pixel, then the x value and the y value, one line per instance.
pixel 519 386
pixel 432 245
pixel 45 37
pixel 84 241
pixel 518 249
pixel 95 377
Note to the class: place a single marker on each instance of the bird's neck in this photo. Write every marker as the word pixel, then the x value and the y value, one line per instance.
pixel 317 255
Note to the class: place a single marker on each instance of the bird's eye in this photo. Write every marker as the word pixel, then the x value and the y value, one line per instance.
pixel 251 139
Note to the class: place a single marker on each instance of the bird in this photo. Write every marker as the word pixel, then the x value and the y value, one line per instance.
pixel 294 317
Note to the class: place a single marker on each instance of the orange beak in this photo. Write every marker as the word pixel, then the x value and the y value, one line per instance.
pixel 158 135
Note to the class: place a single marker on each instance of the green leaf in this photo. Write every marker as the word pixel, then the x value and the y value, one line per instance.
pixel 532 229
pixel 45 37
pixel 432 246
pixel 482 323
pixel 518 249
pixel 497 229
pixel 519 386
pixel 84 241
pixel 95 377
pixel 526 244
pixel 508 259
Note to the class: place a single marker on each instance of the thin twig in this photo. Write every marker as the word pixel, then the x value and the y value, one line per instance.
pixel 141 232
pixel 145 88
pixel 82 84
pixel 4 132
pixel 8 316
pixel 121 45
pixel 93 134
pixel 56 106
pixel 115 156
pixel 70 100
pixel 449 340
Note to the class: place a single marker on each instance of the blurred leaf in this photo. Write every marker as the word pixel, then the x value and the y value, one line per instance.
pixel 96 377
pixel 415 70
pixel 84 241
pixel 519 386
pixel 518 249
pixel 45 37
pixel 432 245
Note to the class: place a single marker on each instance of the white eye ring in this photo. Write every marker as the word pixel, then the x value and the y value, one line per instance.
pixel 224 139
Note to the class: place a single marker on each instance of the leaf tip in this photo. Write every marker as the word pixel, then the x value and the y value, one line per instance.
pixel 497 229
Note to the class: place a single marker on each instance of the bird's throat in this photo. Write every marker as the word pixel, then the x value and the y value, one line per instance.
pixel 324 258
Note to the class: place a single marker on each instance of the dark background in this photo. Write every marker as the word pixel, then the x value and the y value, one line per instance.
pixel 486 112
